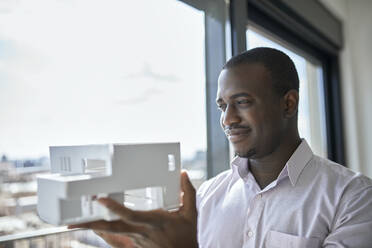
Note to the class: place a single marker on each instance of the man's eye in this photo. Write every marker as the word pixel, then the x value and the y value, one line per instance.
pixel 241 102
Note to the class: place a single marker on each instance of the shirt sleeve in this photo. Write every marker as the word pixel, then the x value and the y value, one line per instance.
pixel 353 220
pixel 202 191
pixel 210 184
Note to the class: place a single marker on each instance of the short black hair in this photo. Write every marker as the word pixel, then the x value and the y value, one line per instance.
pixel 281 68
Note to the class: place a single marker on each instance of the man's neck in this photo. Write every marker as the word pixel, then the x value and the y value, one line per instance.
pixel 267 169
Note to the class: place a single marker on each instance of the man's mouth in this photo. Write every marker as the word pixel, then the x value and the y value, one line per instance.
pixel 237 134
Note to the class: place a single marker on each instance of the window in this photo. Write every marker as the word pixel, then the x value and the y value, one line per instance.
pixel 90 72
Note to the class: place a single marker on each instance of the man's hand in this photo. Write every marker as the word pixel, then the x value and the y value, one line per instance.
pixel 155 229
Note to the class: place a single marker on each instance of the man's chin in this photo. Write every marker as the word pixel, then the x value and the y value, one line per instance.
pixel 246 153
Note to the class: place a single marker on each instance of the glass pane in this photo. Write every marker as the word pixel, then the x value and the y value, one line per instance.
pixel 90 72
pixel 311 115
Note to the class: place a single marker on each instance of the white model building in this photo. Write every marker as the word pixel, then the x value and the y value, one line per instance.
pixel 81 174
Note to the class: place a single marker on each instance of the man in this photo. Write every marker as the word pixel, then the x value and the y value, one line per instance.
pixel 277 192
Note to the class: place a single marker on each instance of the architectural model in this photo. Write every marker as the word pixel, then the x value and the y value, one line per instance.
pixel 143 176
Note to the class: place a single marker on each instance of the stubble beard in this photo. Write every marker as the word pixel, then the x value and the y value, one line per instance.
pixel 246 154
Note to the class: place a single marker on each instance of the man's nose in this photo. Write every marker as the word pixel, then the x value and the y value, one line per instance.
pixel 230 116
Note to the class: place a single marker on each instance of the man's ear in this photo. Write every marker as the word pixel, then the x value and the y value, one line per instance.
pixel 290 99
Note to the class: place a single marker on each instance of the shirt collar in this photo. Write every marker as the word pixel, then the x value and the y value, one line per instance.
pixel 298 161
pixel 240 165
pixel 292 168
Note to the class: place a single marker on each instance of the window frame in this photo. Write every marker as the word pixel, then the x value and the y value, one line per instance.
pixel 216 50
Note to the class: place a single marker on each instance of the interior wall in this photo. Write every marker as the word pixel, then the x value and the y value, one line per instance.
pixel 356 80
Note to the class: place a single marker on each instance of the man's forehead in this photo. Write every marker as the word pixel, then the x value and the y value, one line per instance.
pixel 244 72
pixel 247 78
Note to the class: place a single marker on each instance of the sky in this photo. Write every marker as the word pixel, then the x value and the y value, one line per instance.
pixel 79 72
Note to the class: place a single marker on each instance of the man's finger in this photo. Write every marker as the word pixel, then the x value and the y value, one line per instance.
pixel 189 202
pixel 116 240
pixel 110 226
pixel 136 217
pixel 142 241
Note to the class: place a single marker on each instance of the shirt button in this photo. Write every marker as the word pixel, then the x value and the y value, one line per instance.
pixel 250 234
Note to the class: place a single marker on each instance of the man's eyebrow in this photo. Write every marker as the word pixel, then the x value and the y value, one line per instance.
pixel 240 95
pixel 220 100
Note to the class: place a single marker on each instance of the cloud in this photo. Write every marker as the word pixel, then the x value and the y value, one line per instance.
pixel 147 72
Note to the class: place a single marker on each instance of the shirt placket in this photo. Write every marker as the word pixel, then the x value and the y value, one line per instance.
pixel 253 213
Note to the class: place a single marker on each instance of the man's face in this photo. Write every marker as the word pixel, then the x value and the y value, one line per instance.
pixel 251 111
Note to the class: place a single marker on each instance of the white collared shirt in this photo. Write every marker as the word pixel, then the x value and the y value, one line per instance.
pixel 314 202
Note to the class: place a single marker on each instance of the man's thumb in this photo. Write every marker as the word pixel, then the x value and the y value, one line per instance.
pixel 189 202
